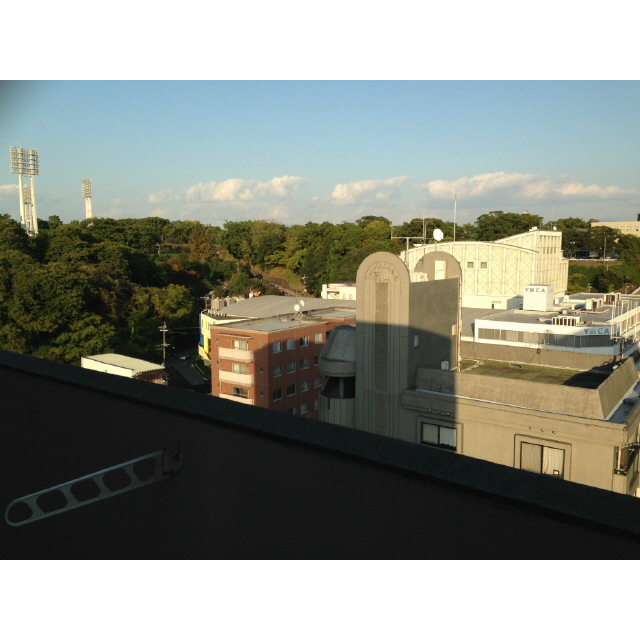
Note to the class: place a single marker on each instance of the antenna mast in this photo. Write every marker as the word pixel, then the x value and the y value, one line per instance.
pixel 455 211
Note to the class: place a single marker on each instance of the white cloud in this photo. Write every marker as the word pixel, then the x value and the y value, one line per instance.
pixel 8 189
pixel 577 189
pixel 477 185
pixel 240 190
pixel 164 195
pixel 116 207
pixel 366 190
pixel 520 185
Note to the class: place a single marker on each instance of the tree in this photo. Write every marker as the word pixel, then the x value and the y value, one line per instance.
pixel 173 302
pixel 367 220
pixel 236 237
pixel 12 235
pixel 267 239
pixel 628 249
pixel 199 245
pixel 498 224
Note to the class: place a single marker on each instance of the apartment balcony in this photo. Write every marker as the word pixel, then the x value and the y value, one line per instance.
pixel 245 379
pixel 239 355
pixel 102 467
pixel 230 396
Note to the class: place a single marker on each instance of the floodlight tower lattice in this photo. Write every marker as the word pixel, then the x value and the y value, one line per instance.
pixel 86 194
pixel 26 162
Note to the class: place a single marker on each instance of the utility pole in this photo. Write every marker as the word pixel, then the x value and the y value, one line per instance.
pixel 164 345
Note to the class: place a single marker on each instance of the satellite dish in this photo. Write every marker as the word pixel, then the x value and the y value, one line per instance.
pixel 438 235
pixel 302 303
pixel 296 307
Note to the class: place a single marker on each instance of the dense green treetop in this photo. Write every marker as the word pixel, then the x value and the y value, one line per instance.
pixel 106 285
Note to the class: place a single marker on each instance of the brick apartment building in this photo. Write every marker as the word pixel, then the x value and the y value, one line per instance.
pixel 273 362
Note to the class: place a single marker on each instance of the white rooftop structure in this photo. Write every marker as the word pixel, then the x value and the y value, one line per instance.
pixel 494 274
pixel 125 366
pixel 270 306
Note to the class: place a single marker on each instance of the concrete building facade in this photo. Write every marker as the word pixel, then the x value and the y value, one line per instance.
pixel 273 362
pixel 631 227
pixel 494 274
pixel 576 425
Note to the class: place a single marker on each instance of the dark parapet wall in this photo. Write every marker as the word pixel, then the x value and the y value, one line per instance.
pixel 254 483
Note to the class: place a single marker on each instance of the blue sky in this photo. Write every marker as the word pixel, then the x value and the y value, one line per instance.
pixel 295 151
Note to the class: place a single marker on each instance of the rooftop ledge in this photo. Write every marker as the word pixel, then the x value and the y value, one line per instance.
pixel 573 504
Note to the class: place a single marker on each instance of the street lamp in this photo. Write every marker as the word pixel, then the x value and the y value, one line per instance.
pixel 26 162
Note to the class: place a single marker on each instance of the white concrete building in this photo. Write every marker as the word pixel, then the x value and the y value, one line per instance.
pixel 494 274
pixel 339 291
pixel 631 227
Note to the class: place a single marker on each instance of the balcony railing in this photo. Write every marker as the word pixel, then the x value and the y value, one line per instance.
pixel 229 396
pixel 235 354
pixel 238 378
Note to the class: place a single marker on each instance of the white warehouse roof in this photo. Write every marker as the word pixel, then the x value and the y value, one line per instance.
pixel 135 365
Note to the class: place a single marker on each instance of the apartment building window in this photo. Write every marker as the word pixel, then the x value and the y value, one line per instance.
pixel 291 411
pixel 542 459
pixel 240 392
pixel 291 367
pixel 291 344
pixel 304 408
pixel 317 381
pixel 276 370
pixel 483 265
pixel 304 386
pixel 239 367
pixel 304 363
pixel 243 345
pixel 318 338
pixel 276 347
pixel 315 361
pixel 277 394
pixel 438 435
pixel 304 341
pixel 291 390
pixel 469 265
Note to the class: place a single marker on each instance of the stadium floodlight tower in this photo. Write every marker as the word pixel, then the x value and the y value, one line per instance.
pixel 26 162
pixel 86 194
